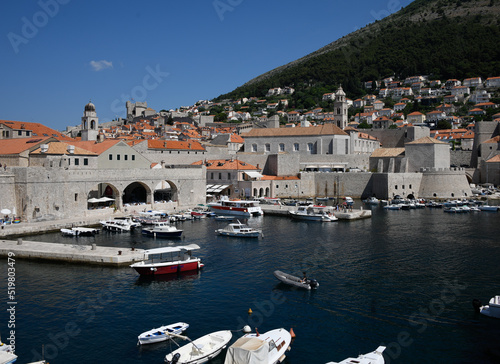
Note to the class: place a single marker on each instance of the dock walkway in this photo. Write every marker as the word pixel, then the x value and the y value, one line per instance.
pixel 71 253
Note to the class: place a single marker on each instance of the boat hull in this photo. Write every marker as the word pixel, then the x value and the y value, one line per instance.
pixel 295 281
pixel 239 235
pixel 235 211
pixel 209 346
pixel 152 269
pixel 162 333
pixel 323 218
pixel 162 234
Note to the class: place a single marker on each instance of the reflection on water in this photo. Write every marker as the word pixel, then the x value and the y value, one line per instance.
pixel 413 272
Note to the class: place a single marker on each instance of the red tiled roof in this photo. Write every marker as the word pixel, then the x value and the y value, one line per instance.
pixel 37 129
pixel 225 164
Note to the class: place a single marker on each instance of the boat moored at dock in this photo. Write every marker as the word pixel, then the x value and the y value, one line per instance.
pixel 168 260
pixel 375 357
pixel 162 333
pixel 313 213
pixel 245 208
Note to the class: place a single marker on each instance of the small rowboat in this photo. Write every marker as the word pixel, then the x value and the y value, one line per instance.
pixel 162 333
pixel 304 283
pixel 200 350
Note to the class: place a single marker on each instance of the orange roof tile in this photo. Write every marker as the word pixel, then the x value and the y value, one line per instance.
pixel 226 164
pixel 37 129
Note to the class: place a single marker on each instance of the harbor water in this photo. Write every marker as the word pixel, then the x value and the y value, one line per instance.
pixel 402 279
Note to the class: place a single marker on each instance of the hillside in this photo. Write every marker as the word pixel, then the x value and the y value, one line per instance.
pixel 439 38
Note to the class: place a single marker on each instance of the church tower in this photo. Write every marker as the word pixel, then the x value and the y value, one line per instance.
pixel 340 115
pixel 90 123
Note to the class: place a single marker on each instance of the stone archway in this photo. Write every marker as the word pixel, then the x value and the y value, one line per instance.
pixel 103 195
pixel 136 193
pixel 165 191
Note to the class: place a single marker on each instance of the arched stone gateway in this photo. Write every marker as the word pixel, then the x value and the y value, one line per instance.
pixel 137 193
pixel 103 195
pixel 165 191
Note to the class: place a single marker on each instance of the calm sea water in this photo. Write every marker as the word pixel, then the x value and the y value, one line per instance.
pixel 404 279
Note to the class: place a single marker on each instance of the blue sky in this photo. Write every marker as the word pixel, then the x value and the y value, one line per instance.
pixel 56 55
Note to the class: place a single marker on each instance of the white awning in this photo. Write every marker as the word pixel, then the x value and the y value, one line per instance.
pixel 102 199
pixel 216 188
pixel 253 174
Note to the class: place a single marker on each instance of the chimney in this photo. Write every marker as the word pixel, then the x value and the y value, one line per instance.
pixel 71 149
pixel 44 148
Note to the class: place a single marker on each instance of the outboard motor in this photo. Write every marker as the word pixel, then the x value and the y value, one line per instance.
pixel 174 360
pixel 477 305
pixel 313 283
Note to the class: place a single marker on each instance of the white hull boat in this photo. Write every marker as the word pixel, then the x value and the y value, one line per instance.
pixel 237 229
pixel 304 283
pixel 115 225
pixel 313 213
pixel 267 348
pixel 245 208
pixel 200 350
pixel 7 357
pixel 492 309
pixel 162 333
pixel 162 230
pixel 375 357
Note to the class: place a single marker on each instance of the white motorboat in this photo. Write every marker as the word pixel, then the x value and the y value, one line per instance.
pixel 85 231
pixel 200 350
pixel 240 230
pixel 245 208
pixel 492 309
pixel 372 201
pixel 6 354
pixel 291 280
pixel 267 348
pixel 7 357
pixel 162 230
pixel 313 213
pixel 393 207
pixel 166 260
pixel 115 225
pixel 162 333
pixel 69 232
pixel 375 357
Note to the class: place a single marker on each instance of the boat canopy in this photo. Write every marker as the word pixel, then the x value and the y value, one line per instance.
pixel 248 350
pixel 171 249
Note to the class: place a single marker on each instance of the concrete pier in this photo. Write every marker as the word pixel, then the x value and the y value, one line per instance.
pixel 354 214
pixel 70 253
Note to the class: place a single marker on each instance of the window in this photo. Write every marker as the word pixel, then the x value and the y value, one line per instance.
pixel 19 132
pixel 220 175
pixel 403 187
pixel 85 161
pixel 268 147
pixel 117 157
pixel 296 147
pixel 133 157
pixel 77 161
pixel 309 147
pixel 212 175
pixel 254 147
pixel 126 157
pixel 282 147
pixel 228 175
pixel 396 187
pixel 76 197
pixel 110 157
pixel 409 187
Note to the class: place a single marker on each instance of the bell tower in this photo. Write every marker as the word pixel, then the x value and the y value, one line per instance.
pixel 340 115
pixel 90 123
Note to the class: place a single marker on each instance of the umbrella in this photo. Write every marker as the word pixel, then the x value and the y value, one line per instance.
pixel 5 211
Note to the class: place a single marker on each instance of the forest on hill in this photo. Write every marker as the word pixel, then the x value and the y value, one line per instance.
pixel 438 38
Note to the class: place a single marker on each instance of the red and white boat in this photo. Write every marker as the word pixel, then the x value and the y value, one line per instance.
pixel 167 260
pixel 245 208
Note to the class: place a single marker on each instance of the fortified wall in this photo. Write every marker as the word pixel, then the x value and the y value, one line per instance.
pixel 55 193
